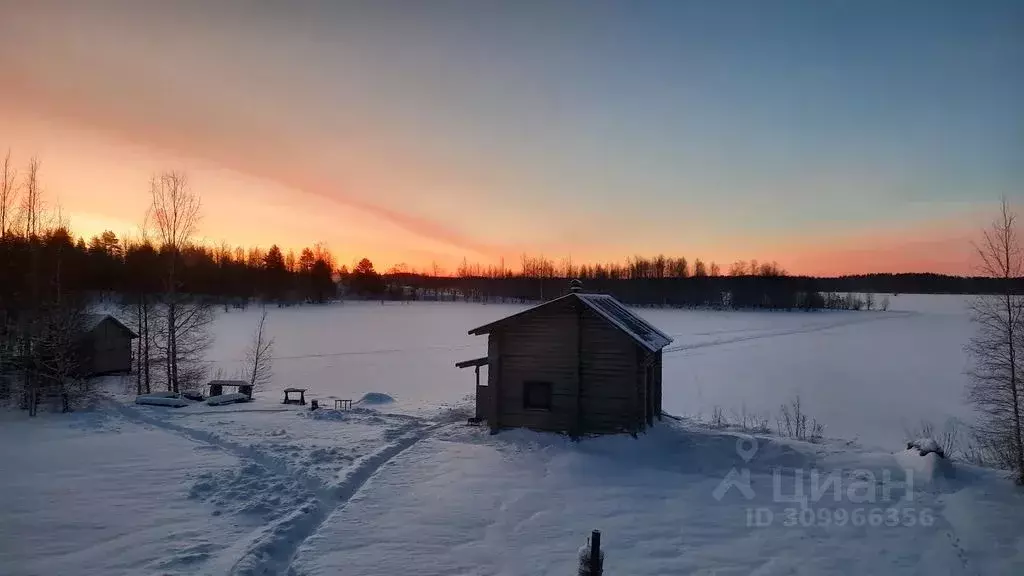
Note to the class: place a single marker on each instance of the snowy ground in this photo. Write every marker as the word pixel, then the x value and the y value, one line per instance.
pixel 127 489
pixel 257 489
pixel 264 488
pixel 464 502
pixel 866 375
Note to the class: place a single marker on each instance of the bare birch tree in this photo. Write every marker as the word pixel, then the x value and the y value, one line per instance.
pixel 995 387
pixel 192 339
pixel 32 200
pixel 259 356
pixel 175 215
pixel 8 195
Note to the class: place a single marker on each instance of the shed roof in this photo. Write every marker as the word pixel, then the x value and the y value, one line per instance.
pixel 609 308
pixel 92 321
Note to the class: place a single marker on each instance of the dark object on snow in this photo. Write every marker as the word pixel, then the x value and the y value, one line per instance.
pixel 582 364
pixel 289 400
pixel 592 557
pixel 314 404
pixel 217 387
pixel 195 396
pixel 475 421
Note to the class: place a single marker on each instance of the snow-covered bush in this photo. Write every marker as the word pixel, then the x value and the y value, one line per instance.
pixel 947 442
pixel 926 446
pixel 794 422
pixel 718 418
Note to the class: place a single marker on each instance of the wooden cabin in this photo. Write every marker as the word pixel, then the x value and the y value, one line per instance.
pixel 106 346
pixel 580 364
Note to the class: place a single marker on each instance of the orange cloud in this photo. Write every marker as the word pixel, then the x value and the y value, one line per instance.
pixel 247 146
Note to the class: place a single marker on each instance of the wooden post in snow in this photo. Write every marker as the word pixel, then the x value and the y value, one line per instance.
pixel 596 559
pixel 591 556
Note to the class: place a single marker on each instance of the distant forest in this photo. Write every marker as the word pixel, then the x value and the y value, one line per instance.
pixel 39 255
pixel 105 264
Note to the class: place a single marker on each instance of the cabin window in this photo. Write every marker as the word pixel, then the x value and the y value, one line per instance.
pixel 537 395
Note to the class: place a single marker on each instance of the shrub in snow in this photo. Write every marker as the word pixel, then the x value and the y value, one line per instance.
pixel 794 422
pixel 948 440
pixel 717 418
pixel 926 446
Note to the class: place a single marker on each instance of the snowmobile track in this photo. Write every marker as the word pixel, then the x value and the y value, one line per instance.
pixel 274 548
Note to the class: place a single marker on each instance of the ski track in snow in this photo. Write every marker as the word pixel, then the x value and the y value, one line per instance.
pixel 275 546
pixel 773 333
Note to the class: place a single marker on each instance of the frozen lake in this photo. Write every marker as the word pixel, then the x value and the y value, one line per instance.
pixel 865 375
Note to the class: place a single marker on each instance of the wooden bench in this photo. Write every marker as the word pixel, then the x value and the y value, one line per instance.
pixel 300 400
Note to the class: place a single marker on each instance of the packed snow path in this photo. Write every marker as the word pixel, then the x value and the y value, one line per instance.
pixel 272 549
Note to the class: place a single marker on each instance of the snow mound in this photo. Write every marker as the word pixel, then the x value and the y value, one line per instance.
pixel 249 490
pixel 161 401
pixel 325 414
pixel 926 446
pixel 227 399
pixel 376 398
pixel 927 466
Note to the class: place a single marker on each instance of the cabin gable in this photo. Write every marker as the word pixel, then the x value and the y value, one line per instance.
pixel 539 348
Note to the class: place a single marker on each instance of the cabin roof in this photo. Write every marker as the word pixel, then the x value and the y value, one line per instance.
pixel 609 308
pixel 92 321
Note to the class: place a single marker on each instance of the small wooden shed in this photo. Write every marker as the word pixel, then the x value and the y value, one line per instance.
pixel 581 364
pixel 106 345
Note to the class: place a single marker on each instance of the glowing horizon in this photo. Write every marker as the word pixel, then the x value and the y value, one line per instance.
pixel 420 134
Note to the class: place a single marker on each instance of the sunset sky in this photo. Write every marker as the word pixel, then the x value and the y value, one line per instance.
pixel 830 136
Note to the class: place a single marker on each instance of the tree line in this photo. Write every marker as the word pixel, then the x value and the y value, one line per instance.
pixel 165 284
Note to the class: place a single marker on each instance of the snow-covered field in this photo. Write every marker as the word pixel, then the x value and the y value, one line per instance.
pixel 865 375
pixel 264 488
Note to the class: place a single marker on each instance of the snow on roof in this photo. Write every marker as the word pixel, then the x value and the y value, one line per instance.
pixel 608 308
pixel 639 329
pixel 91 321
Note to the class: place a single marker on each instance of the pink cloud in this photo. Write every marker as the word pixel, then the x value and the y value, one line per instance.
pixel 223 138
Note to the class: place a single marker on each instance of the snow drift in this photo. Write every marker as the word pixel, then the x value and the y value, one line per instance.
pixel 161 401
pixel 376 398
pixel 227 399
